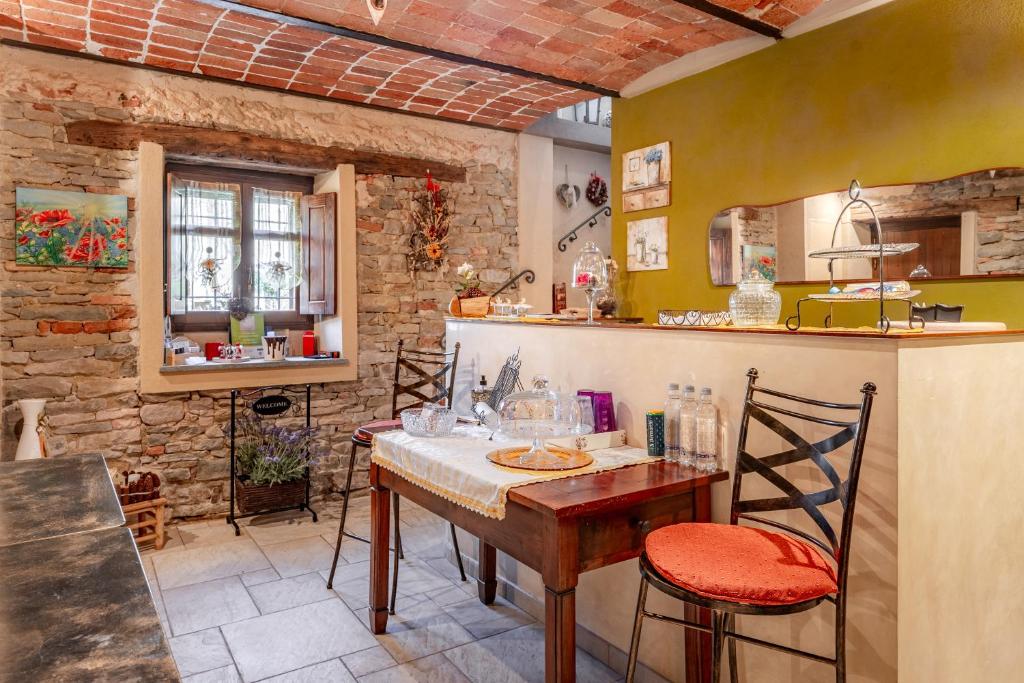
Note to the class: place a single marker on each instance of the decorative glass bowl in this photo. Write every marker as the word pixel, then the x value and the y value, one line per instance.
pixel 429 421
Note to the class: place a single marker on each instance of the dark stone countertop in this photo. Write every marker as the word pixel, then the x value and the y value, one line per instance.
pixel 78 608
pixel 54 497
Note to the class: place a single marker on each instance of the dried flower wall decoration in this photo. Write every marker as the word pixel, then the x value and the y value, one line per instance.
pixel 431 218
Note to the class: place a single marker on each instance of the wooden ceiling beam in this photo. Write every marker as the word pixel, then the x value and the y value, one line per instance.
pixel 733 17
pixel 234 146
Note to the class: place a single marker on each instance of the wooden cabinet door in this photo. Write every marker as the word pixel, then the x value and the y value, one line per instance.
pixel 317 290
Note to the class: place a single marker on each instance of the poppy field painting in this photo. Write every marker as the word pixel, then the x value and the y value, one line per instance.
pixel 57 228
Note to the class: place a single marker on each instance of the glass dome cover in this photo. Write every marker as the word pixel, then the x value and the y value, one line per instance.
pixel 537 414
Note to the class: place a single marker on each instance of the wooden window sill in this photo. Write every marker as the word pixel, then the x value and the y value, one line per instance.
pixel 258 364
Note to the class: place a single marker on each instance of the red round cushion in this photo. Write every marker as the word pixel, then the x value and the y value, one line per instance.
pixel 740 564
pixel 365 432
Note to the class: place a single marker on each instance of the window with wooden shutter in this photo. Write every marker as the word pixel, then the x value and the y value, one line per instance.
pixel 238 234
pixel 317 289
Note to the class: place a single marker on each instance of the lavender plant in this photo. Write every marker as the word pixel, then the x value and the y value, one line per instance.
pixel 274 454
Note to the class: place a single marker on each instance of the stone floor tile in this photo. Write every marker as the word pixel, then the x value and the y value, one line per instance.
pixel 352 550
pixel 299 556
pixel 206 563
pixel 368 661
pixel 331 671
pixel 200 651
pixel 200 606
pixel 208 532
pixel 419 628
pixel 291 639
pixel 483 621
pixel 260 576
pixel 351 583
pixel 225 674
pixel 453 594
pixel 432 669
pixel 291 592
pixel 289 529
pixel 415 576
pixel 517 656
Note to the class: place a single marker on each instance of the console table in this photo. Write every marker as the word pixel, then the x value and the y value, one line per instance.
pixel 561 528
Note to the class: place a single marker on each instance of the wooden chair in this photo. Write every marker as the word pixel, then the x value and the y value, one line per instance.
pixel 732 569
pixel 428 370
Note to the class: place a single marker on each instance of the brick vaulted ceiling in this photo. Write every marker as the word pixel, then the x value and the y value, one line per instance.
pixel 558 52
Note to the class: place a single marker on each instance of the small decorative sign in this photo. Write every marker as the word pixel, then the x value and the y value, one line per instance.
pixel 271 405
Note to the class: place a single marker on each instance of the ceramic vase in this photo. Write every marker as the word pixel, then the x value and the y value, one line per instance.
pixel 29 446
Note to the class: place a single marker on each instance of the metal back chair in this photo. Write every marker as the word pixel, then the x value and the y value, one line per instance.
pixel 416 372
pixel 851 419
pixel 428 369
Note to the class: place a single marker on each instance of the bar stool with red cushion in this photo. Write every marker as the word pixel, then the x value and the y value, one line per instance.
pixel 732 569
pixel 420 369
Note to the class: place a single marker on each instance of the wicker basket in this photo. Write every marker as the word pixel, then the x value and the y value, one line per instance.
pixel 252 498
pixel 475 307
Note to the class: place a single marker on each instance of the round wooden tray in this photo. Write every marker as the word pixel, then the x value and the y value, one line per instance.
pixel 569 459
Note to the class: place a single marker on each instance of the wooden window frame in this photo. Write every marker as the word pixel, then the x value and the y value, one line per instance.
pixel 216 321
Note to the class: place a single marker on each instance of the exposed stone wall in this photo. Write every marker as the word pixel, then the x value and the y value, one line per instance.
pixel 758 226
pixel 70 335
pixel 996 197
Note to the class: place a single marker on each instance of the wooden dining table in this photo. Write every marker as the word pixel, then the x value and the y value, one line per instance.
pixel 560 528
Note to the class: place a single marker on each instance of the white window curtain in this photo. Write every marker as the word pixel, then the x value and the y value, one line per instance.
pixel 276 225
pixel 205 244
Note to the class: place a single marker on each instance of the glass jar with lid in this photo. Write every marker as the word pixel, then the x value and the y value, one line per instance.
pixel 755 301
pixel 537 414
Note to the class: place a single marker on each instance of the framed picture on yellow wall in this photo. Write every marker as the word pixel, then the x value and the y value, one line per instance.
pixel 646 177
pixel 647 244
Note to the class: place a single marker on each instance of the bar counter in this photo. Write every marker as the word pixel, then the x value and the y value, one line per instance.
pixel 938 489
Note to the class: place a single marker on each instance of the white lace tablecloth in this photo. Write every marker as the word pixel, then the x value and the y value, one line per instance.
pixel 457 469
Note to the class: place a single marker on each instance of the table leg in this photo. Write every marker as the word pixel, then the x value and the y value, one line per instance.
pixel 559 636
pixel 487 583
pixel 380 509
pixel 698 645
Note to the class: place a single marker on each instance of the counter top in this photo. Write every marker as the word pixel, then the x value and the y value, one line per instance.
pixel 856 332
pixel 255 364
pixel 78 608
pixel 54 497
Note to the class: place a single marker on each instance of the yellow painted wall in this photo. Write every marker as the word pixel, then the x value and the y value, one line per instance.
pixel 913 90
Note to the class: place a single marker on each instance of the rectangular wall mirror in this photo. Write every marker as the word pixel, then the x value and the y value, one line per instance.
pixel 968 226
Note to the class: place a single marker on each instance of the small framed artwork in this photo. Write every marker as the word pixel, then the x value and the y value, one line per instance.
pixel 61 228
pixel 647 244
pixel 759 258
pixel 646 177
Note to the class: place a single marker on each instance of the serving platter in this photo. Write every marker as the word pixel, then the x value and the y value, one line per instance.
pixel 865 250
pixel 513 457
pixel 865 296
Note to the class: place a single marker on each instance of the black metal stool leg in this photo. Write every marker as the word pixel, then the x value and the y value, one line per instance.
pixel 398 552
pixel 458 555
pixel 717 640
pixel 344 514
pixel 638 622
pixel 734 673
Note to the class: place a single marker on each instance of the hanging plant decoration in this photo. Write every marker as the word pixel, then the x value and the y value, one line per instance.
pixel 432 218
pixel 239 307
pixel 597 190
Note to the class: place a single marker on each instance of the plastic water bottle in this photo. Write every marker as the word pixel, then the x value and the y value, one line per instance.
pixel 688 427
pixel 707 433
pixel 673 406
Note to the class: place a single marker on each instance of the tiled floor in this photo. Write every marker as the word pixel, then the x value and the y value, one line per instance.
pixel 257 608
